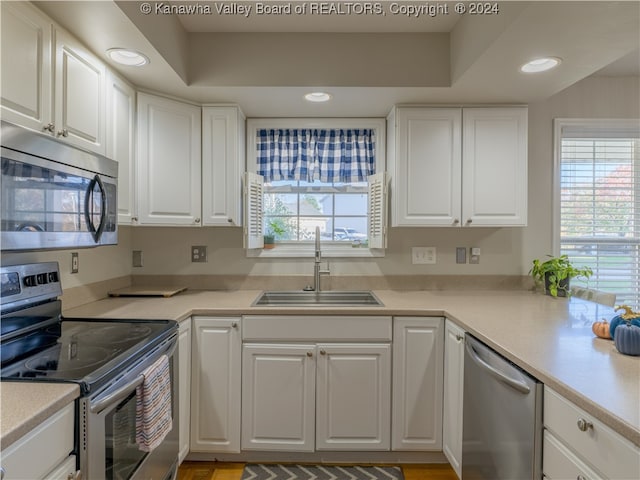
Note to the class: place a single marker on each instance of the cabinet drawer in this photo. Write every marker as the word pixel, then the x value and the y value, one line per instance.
pixel 604 449
pixel 561 464
pixel 50 443
pixel 315 328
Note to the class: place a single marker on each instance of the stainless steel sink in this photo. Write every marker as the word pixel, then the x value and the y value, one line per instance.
pixel 326 298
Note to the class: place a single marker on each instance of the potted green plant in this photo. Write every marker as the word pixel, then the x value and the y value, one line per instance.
pixel 556 273
pixel 275 228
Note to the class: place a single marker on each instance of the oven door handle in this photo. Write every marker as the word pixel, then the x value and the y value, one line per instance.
pixel 116 396
pixel 124 391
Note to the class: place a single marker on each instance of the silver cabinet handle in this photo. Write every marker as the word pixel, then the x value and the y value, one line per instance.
pixel 323 352
pixel 230 220
pixel 469 221
pixel 234 325
pixel 456 221
pixel 49 127
pixel 581 477
pixel 459 337
pixel 309 354
pixel 197 220
pixel 584 425
pixel 63 133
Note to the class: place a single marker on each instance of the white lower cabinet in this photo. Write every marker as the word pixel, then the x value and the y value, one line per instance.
pixel 453 395
pixel 44 452
pixel 184 386
pixel 306 397
pixel 577 445
pixel 316 383
pixel 215 384
pixel 417 383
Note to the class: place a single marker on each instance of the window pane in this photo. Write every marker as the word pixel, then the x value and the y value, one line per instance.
pixel 351 229
pixel 282 228
pixel 600 212
pixel 351 204
pixel 280 204
pixel 316 204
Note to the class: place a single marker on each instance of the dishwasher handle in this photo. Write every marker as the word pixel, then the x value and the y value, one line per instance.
pixel 512 382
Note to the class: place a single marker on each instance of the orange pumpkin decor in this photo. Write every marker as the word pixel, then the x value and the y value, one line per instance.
pixel 601 329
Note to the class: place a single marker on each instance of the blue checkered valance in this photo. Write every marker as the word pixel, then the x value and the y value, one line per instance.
pixel 328 155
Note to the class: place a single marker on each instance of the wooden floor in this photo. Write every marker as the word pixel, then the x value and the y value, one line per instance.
pixel 233 471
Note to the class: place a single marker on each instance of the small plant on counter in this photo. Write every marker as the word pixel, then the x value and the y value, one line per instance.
pixel 275 229
pixel 555 274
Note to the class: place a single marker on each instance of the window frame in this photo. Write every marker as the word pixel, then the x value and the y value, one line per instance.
pixel 599 126
pixel 329 249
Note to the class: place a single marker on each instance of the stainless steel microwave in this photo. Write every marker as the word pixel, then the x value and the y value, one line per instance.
pixel 55 195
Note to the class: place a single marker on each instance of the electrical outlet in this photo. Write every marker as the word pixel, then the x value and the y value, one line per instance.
pixel 461 255
pixel 137 258
pixel 199 253
pixel 75 262
pixel 423 255
pixel 474 257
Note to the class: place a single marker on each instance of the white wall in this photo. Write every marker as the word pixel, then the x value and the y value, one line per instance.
pixel 96 264
pixel 505 251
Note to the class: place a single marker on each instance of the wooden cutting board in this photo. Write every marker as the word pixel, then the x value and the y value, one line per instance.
pixel 144 291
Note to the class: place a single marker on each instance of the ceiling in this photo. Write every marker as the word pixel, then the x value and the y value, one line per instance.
pixel 368 60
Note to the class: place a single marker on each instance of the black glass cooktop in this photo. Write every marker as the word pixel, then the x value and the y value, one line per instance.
pixel 83 351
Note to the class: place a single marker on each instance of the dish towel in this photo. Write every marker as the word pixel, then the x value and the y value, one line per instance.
pixel 153 405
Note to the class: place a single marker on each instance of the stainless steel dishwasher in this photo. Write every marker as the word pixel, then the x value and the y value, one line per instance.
pixel 502 418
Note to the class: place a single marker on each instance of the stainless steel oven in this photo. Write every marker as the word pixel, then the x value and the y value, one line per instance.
pixel 55 195
pixel 106 358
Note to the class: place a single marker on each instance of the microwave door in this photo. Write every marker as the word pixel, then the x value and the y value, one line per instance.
pixel 95 208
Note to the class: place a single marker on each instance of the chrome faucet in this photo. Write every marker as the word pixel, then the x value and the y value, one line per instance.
pixel 316 266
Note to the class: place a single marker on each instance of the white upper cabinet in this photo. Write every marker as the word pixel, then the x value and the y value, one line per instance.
pixel 80 95
pixel 121 143
pixel 55 84
pixel 426 166
pixel 458 166
pixel 223 147
pixel 494 153
pixel 26 47
pixel 169 178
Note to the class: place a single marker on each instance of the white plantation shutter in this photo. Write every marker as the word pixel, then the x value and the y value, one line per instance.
pixel 253 191
pixel 377 225
pixel 599 173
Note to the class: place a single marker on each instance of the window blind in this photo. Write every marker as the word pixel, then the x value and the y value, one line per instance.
pixel 600 206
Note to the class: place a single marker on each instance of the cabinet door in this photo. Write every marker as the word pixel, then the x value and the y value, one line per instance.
pixel 168 161
pixel 223 139
pixel 184 386
pixel 427 167
pixel 278 386
pixel 353 398
pixel 216 381
pixel 26 60
pixel 453 389
pixel 494 184
pixel 417 383
pixel 80 95
pixel 121 143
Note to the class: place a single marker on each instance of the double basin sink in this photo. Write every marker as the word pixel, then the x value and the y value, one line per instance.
pixel 326 298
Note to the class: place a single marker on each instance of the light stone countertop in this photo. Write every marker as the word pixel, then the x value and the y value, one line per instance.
pixel 550 338
pixel 25 405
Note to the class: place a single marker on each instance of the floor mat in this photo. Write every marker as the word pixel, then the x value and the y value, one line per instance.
pixel 319 472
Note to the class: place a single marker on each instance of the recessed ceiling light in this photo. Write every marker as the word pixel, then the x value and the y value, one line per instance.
pixel 540 64
pixel 125 56
pixel 318 97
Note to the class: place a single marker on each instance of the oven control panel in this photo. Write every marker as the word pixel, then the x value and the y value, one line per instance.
pixel 28 283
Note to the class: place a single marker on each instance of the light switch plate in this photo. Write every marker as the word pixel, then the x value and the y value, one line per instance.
pixel 75 262
pixel 423 255
pixel 137 258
